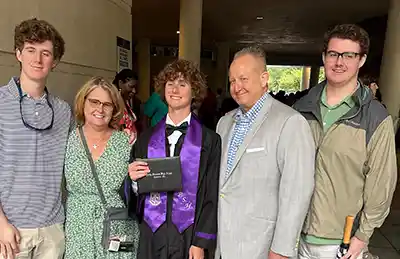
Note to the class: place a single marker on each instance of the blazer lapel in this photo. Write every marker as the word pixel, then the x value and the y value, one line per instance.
pixel 250 134
pixel 226 131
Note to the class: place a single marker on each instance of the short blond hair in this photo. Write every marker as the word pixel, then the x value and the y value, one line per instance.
pixel 87 88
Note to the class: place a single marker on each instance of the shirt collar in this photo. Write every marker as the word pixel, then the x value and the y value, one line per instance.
pixel 348 100
pixel 13 88
pixel 170 122
pixel 251 114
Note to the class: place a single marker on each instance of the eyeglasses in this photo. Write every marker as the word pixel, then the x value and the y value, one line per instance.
pixel 26 124
pixel 346 56
pixel 94 103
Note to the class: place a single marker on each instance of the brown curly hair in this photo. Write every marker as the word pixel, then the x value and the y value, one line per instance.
pixel 38 31
pixel 351 32
pixel 190 73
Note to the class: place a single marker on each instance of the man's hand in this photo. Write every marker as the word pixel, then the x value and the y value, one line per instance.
pixel 9 240
pixel 196 252
pixel 355 249
pixel 273 255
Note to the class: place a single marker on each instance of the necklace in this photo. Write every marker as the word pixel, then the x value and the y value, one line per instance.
pixel 99 141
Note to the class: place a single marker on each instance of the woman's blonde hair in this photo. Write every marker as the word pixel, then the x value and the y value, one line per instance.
pixel 87 88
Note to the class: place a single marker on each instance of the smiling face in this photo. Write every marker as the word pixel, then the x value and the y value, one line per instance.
pixel 128 88
pixel 248 80
pixel 342 61
pixel 37 60
pixel 178 94
pixel 98 108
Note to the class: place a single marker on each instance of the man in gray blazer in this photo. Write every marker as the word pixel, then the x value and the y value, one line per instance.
pixel 267 168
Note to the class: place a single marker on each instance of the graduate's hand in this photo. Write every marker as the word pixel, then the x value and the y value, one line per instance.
pixel 273 255
pixel 137 170
pixel 196 252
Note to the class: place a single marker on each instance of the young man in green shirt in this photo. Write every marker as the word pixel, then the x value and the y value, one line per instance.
pixel 355 163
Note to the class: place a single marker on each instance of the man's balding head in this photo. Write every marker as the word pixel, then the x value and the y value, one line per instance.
pixel 256 52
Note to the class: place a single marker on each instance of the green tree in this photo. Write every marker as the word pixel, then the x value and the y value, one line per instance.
pixel 321 74
pixel 286 78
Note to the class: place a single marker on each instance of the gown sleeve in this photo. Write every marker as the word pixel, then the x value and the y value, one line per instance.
pixel 205 232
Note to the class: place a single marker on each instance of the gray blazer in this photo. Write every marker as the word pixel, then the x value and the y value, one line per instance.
pixel 264 200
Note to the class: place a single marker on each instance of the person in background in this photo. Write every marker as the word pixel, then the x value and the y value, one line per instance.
pixel 126 82
pixel 355 167
pixel 208 110
pixel 33 135
pixel 155 108
pixel 179 225
pixel 98 110
pixel 372 83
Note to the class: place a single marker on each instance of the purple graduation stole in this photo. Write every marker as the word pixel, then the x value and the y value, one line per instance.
pixel 184 203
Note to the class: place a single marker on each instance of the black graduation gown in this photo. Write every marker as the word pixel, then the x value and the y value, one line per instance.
pixel 167 242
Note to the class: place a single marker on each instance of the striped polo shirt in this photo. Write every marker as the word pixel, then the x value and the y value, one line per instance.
pixel 32 161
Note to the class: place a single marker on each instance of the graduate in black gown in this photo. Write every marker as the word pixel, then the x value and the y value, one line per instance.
pixel 178 225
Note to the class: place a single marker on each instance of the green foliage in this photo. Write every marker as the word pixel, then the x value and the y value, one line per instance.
pixel 285 78
pixel 288 78
pixel 321 75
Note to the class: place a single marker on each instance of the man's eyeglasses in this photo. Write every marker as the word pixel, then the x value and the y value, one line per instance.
pixel 26 124
pixel 94 103
pixel 347 56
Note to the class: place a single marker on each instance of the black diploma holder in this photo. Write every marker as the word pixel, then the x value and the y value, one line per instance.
pixel 165 175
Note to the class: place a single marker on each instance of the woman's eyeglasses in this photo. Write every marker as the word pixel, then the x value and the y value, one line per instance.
pixel 94 103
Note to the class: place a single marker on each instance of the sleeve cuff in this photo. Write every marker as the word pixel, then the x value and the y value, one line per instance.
pixel 135 187
pixel 363 237
pixel 205 240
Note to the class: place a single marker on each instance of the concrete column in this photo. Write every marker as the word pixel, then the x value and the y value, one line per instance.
pixel 190 22
pixel 314 75
pixel 305 82
pixel 389 79
pixel 222 67
pixel 143 50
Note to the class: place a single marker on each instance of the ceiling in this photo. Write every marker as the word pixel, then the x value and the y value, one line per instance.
pixel 288 25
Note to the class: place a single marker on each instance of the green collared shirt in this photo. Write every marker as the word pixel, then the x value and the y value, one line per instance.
pixel 331 114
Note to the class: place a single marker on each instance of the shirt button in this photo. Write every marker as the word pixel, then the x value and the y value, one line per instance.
pixel 36 113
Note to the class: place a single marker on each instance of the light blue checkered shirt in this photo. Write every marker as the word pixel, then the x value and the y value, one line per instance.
pixel 243 123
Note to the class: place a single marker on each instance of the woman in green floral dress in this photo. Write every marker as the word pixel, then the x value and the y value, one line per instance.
pixel 98 108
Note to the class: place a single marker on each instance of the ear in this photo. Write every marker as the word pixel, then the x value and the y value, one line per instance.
pixel 264 79
pixel 323 58
pixel 55 63
pixel 18 55
pixel 362 61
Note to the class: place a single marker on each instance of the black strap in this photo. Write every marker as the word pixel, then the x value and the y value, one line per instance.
pixel 92 167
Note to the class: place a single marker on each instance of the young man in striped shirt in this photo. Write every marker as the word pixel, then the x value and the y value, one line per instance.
pixel 33 135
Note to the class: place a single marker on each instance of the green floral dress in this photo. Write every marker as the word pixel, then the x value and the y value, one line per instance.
pixel 84 209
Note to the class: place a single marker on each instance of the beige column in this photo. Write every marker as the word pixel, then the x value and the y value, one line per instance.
pixel 191 12
pixel 314 75
pixel 389 79
pixel 305 82
pixel 222 66
pixel 143 50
